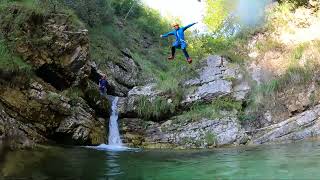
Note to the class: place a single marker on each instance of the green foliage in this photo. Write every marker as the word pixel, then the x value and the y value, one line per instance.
pixel 265 93
pixel 73 93
pixel 227 104
pixel 211 111
pixel 122 7
pixel 298 52
pixel 279 16
pixel 147 20
pixel 217 13
pixel 10 62
pixel 53 97
pixel 93 12
pixel 154 109
pixel 267 45
pixel 210 138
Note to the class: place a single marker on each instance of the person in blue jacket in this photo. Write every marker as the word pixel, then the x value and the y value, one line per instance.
pixel 103 85
pixel 180 42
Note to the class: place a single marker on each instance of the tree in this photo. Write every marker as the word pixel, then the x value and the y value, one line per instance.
pixel 218 14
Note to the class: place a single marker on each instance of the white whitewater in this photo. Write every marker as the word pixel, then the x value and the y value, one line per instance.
pixel 115 142
pixel 114 135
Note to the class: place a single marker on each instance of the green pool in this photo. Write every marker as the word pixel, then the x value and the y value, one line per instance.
pixel 293 161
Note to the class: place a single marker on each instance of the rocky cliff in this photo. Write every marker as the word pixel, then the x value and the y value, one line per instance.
pixel 223 103
pixel 35 107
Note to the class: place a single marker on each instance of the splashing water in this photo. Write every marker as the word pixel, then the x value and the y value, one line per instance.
pixel 114 136
pixel 115 142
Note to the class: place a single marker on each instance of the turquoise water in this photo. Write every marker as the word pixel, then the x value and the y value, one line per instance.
pixel 293 161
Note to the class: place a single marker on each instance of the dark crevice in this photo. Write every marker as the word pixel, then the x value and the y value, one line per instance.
pixel 54 76
pixel 126 54
pixel 121 67
pixel 66 139
pixel 95 76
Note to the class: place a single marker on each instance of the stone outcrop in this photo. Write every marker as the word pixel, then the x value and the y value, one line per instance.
pixel 34 109
pixel 128 105
pixel 37 115
pixel 123 74
pixel 302 126
pixel 184 134
pixel 217 77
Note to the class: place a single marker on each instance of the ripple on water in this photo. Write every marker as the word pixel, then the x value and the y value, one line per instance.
pixel 113 148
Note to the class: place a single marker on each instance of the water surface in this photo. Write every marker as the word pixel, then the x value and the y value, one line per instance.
pixel 293 161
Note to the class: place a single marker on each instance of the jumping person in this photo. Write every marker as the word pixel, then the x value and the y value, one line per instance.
pixel 103 85
pixel 180 42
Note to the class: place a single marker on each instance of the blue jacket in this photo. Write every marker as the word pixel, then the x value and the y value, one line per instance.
pixel 179 34
pixel 103 83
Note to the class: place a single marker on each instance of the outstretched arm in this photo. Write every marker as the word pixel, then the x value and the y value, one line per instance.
pixel 186 27
pixel 168 34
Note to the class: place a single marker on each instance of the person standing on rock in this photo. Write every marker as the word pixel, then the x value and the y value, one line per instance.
pixel 103 85
pixel 180 42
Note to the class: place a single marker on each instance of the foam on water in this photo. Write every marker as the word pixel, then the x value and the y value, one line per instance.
pixel 115 142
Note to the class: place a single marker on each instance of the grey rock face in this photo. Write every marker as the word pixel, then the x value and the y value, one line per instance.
pixel 302 126
pixel 217 77
pixel 81 126
pixel 128 105
pixel 200 134
pixel 208 91
pixel 204 133
pixel 16 134
pixel 122 75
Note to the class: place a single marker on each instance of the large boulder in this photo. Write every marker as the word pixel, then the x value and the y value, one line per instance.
pixel 81 127
pixel 122 73
pixel 216 77
pixel 183 134
pixel 128 106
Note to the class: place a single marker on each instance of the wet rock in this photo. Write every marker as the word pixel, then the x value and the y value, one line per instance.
pixel 132 131
pixel 99 103
pixel 41 115
pixel 15 134
pixel 82 127
pixel 121 78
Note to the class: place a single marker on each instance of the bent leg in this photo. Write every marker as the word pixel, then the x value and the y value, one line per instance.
pixel 185 52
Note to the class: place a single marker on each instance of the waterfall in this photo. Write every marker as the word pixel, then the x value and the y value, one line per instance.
pixel 114 135
pixel 114 140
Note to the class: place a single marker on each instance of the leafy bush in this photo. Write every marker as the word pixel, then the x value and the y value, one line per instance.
pixel 210 138
pixel 147 20
pixel 93 12
pixel 73 93
pixel 227 104
pixel 211 111
pixel 53 97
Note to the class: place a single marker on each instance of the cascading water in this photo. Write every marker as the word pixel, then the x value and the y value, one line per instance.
pixel 114 140
pixel 114 135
